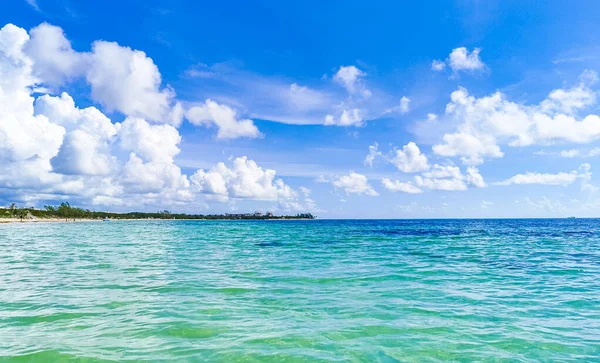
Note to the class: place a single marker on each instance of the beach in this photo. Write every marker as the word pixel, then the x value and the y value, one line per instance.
pixel 302 291
pixel 45 220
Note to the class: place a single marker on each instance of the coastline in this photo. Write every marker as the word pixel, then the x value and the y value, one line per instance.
pixel 55 220
pixel 44 220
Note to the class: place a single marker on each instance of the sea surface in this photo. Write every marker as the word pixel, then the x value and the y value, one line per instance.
pixel 301 291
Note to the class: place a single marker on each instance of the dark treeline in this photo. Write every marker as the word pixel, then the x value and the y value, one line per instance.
pixel 66 211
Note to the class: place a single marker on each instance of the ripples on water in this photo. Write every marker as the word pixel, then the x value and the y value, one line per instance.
pixel 343 291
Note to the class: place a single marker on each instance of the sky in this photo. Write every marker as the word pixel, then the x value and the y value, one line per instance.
pixel 344 109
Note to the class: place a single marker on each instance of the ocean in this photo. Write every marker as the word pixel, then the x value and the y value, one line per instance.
pixel 301 291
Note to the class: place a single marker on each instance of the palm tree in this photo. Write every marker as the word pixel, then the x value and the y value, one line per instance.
pixel 12 210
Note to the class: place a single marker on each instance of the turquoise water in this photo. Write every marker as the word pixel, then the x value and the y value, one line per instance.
pixel 301 291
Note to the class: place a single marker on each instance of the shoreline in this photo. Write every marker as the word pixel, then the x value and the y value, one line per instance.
pixel 54 220
pixel 44 220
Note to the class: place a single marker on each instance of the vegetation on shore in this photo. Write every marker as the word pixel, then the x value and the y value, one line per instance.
pixel 66 211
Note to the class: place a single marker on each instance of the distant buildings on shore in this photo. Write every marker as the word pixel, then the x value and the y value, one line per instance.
pixel 246 215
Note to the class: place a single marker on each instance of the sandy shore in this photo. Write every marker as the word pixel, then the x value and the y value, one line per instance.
pixel 45 220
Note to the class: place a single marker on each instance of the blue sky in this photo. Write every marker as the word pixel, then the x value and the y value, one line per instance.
pixel 344 109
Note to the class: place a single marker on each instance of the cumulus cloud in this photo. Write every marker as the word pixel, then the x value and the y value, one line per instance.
pixel 354 183
pixel 120 78
pixel 22 135
pixel 449 178
pixel 569 153
pixel 51 149
pixel 474 178
pixel 568 101
pixel 438 65
pixel 127 80
pixel 224 118
pixel 471 148
pixel 80 155
pixel 86 147
pixel 485 123
pixel 154 142
pixel 55 60
pixel 244 180
pixel 410 159
pixel 153 176
pixel 440 177
pixel 351 117
pixel 350 78
pixel 398 186
pixel 460 60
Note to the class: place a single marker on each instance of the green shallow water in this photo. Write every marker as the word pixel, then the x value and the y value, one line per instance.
pixel 301 291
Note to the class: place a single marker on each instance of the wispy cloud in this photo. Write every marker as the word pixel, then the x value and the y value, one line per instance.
pixel 324 100
pixel 33 4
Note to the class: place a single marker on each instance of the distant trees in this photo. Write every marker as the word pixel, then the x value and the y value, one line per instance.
pixel 67 211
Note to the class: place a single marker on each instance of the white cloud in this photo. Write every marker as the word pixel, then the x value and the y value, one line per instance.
pixel 542 178
pixel 461 60
pixel 545 204
pixel 449 178
pixel 120 78
pixel 351 117
pixel 224 118
pixel 569 153
pixel 474 178
pixel 86 147
pixel 438 65
pixel 595 151
pixel 80 155
pixel 484 123
pixel 354 183
pixel 410 159
pixel 398 186
pixel 569 101
pixel 33 4
pixel 128 81
pixel 447 184
pixel 265 97
pixel 585 175
pixel 51 149
pixel 471 148
pixel 373 153
pixel 404 104
pixel 403 108
pixel 55 60
pixel 286 100
pixel 444 171
pixel 22 135
pixel 157 143
pixel 153 176
pixel 245 180
pixel 304 98
pixel 349 77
